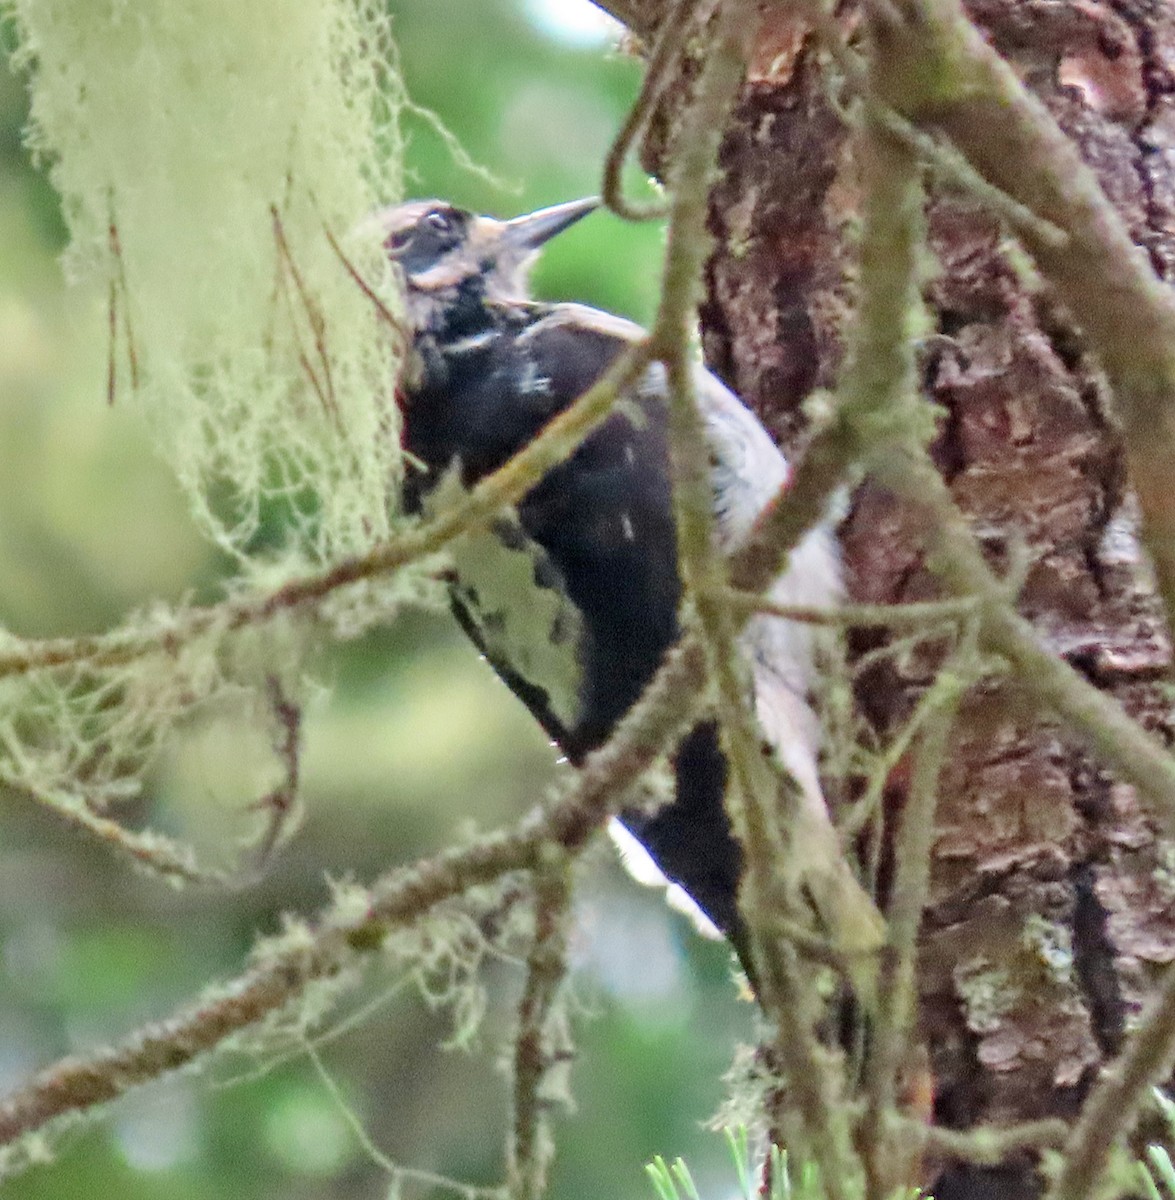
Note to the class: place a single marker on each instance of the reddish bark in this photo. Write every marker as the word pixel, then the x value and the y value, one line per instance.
pixel 1053 902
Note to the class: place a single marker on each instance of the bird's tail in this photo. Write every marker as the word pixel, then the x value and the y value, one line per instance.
pixel 845 913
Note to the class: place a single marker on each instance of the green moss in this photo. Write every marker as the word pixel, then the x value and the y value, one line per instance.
pixel 1051 946
pixel 987 991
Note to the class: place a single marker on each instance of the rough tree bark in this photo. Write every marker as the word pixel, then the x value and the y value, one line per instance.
pixel 1053 903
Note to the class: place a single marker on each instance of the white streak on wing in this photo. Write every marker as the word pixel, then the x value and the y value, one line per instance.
pixel 532 383
pixel 476 341
pixel 583 316
pixel 638 862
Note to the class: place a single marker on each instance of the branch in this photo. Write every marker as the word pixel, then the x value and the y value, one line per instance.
pixel 74 1085
pixel 666 54
pixel 530 1150
pixel 879 396
pixel 772 834
pixel 505 487
pixel 917 615
pixel 898 1008
pixel 990 1145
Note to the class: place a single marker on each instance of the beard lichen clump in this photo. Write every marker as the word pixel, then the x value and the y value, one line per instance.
pixel 215 163
pixel 212 158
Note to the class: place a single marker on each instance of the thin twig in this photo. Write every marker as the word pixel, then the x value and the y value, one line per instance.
pixel 281 802
pixel 154 852
pixel 897 1011
pixel 76 1084
pixel 666 53
pixel 868 805
pixel 811 1087
pixel 530 1150
pixel 504 487
pixel 385 313
pixel 314 318
pixel 989 1145
pixel 119 287
pixel 918 614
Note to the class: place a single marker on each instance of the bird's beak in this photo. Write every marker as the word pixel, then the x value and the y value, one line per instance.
pixel 531 230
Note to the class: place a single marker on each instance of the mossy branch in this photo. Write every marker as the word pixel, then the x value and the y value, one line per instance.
pixel 879 398
pixel 763 800
pixel 505 487
pixel 893 1032
pixel 531 1145
pixel 287 968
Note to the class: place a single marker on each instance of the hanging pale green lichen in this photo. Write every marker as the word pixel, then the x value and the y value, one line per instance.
pixel 212 160
pixel 206 155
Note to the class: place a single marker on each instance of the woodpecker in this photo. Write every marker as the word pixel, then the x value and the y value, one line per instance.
pixel 573 599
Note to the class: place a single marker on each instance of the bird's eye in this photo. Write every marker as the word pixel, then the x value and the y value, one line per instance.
pixel 439 221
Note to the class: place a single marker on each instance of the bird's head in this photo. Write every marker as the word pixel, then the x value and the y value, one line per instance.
pixel 441 249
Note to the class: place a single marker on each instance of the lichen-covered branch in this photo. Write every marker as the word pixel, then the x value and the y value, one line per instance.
pixel 285 969
pixel 506 486
pixel 665 56
pixel 879 395
pixel 917 615
pixel 990 1144
pixel 531 1146
pixel 763 801
pixel 892 1033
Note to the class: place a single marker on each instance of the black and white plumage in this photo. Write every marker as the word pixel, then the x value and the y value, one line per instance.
pixel 574 599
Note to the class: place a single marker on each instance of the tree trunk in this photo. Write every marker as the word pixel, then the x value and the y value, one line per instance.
pixel 1053 900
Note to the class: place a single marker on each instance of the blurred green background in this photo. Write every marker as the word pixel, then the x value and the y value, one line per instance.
pixel 415 738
